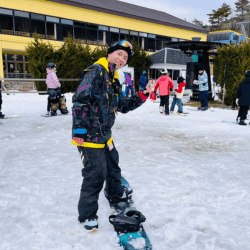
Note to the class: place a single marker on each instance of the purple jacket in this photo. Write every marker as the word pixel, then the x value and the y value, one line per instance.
pixel 52 80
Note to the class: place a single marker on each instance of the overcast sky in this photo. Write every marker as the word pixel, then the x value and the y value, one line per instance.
pixel 184 9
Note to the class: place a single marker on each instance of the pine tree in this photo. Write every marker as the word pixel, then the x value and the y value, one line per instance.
pixel 242 8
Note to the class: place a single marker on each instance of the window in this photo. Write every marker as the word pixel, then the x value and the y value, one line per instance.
pixel 124 34
pixel 92 31
pixel 151 44
pixel 134 36
pixel 101 37
pixel 22 26
pixel 176 74
pixel 52 31
pixel 80 34
pixel 38 27
pixel 6 24
pixel 67 28
pixel 236 37
pixel 159 42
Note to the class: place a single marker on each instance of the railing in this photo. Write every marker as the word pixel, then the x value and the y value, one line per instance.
pixel 18 75
pixel 21 85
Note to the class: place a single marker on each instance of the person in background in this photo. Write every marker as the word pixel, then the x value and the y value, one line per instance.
pixel 150 87
pixel 243 98
pixel 1 114
pixel 203 88
pixel 178 95
pixel 143 80
pixel 55 99
pixel 129 84
pixel 165 84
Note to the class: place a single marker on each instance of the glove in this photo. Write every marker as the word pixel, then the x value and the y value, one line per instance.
pixel 237 101
pixel 204 84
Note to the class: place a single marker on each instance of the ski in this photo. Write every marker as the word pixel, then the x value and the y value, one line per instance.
pixel 10 116
pixel 127 222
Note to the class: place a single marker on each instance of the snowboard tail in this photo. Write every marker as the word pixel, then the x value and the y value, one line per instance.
pixel 127 222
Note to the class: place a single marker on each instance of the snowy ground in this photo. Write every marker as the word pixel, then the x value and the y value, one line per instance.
pixel 190 177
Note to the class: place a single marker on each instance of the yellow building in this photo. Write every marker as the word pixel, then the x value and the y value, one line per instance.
pixel 88 22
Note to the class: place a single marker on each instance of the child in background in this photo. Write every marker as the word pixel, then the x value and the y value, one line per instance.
pixel 151 86
pixel 178 96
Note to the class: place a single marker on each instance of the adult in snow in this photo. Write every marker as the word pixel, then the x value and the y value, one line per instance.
pixel 164 83
pixel 178 95
pixel 1 114
pixel 97 100
pixel 143 80
pixel 203 88
pixel 55 99
pixel 243 98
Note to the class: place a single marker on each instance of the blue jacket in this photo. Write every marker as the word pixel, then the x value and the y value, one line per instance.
pixel 143 81
pixel 203 81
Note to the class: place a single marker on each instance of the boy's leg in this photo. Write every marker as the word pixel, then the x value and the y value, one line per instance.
pixel 166 104
pixel 94 174
pixel 127 91
pixel 113 185
pixel 132 89
pixel 49 104
pixel 173 104
pixel 179 103
pixel 205 102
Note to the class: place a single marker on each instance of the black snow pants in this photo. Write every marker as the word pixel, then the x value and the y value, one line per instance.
pixel 99 165
pixel 1 101
pixel 164 101
pixel 243 112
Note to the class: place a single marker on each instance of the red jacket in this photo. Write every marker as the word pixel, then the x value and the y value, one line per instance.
pixel 164 83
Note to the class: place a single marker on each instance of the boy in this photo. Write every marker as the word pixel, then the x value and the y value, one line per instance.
pixel 95 104
pixel 179 94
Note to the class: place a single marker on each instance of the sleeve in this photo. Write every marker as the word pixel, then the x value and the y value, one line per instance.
pixel 55 80
pixel 238 95
pixel 131 103
pixel 203 79
pixel 171 84
pixel 157 84
pixel 180 88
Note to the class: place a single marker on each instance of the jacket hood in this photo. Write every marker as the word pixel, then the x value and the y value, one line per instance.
pixel 105 63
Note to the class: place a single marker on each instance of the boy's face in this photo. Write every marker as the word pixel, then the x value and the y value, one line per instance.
pixel 119 57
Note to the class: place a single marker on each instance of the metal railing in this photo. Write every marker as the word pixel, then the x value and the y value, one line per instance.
pixel 24 85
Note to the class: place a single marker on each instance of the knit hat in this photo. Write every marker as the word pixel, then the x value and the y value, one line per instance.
pixel 180 79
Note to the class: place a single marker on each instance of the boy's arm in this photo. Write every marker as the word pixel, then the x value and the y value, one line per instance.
pixel 55 79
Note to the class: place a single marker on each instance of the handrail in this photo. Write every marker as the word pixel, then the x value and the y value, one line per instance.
pixel 35 80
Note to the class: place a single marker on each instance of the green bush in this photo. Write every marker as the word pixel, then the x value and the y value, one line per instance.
pixel 237 58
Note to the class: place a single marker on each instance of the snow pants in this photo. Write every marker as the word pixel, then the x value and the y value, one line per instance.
pixel 243 113
pixel 179 104
pixel 100 164
pixel 203 99
pixel 129 87
pixel 164 101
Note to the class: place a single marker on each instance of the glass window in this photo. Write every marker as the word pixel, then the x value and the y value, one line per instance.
pixel 22 26
pixel 66 21
pixel 101 37
pixel 114 37
pixel 52 31
pixel 143 34
pixel 176 74
pixel 21 14
pixel 236 37
pixel 174 39
pixel 80 34
pixel 134 36
pixel 38 27
pixel 142 42
pixel 114 30
pixel 52 19
pixel 159 44
pixel 6 11
pixel 20 68
pixel 122 31
pixel 151 44
pixel 80 24
pixel 103 28
pixel 67 31
pixel 124 37
pixel 133 33
pixel 19 58
pixel 92 26
pixel 27 67
pixel 91 36
pixel 151 36
pixel 38 17
pixel 6 25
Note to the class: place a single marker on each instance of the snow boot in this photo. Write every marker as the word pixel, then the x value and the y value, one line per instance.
pixel 64 111
pixel 127 223
pixel 161 109
pixel 242 122
pixel 199 108
pixel 204 108
pixel 1 115
pixel 90 225
pixel 53 113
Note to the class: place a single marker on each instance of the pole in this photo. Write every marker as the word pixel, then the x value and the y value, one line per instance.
pixel 224 86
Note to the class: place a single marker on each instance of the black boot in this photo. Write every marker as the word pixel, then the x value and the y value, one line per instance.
pixel 1 115
pixel 53 113
pixel 242 122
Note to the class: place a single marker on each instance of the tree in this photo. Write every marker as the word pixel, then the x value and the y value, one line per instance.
pixel 238 59
pixel 199 23
pixel 140 61
pixel 242 8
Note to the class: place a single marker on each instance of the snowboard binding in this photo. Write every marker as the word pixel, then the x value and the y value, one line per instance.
pixel 128 223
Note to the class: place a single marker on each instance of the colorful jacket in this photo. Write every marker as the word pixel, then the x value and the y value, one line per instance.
pixel 164 83
pixel 96 102
pixel 203 81
pixel 52 80
pixel 180 90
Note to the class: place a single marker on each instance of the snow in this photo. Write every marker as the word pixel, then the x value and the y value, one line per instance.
pixel 190 177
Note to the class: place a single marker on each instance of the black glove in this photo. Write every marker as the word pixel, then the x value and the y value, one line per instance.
pixel 147 94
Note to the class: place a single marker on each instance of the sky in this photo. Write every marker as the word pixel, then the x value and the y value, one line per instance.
pixel 186 10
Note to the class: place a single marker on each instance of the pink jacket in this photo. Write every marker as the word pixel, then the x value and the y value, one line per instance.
pixel 164 83
pixel 52 80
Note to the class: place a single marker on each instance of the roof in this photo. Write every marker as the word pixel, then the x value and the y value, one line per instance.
pixel 132 11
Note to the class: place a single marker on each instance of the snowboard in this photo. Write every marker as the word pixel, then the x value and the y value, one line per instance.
pixel 10 116
pixel 129 240
pixel 46 115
